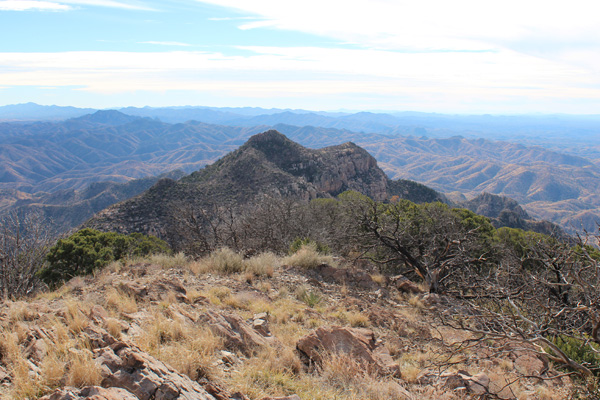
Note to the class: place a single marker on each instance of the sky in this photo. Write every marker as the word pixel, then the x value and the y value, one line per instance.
pixel 459 56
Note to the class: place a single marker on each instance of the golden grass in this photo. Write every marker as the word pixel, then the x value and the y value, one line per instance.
pixel 177 261
pixel 308 258
pixel 120 302
pixel 82 370
pixel 263 264
pixel 76 319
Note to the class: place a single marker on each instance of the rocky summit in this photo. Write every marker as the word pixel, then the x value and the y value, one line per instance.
pixel 268 164
pixel 178 329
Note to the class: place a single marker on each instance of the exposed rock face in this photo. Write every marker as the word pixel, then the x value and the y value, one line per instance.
pixel 144 376
pixel 91 392
pixel 236 332
pixel 268 164
pixel 359 344
pixel 506 212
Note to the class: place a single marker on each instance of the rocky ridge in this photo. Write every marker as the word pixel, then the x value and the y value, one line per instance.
pixel 268 164
pixel 168 328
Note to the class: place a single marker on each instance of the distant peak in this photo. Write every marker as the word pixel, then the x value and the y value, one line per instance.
pixel 109 117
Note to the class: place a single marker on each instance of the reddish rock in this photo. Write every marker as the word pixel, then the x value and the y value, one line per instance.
pixel 147 378
pixel 405 285
pixel 90 393
pixel 236 332
pixel 360 344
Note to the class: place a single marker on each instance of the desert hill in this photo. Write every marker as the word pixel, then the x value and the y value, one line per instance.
pixel 268 164
pixel 112 146
pixel 168 327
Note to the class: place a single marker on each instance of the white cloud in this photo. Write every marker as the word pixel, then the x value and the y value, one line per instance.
pixel 24 5
pixel 131 5
pixel 367 79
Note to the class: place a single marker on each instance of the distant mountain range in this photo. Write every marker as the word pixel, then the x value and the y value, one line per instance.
pixel 573 134
pixel 112 146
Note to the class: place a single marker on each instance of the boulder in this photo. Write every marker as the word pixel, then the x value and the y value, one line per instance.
pixel 405 285
pixel 126 367
pixel 237 333
pixel 477 385
pixel 360 344
pixel 90 393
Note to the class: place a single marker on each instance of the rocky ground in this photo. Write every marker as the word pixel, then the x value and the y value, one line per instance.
pixel 263 328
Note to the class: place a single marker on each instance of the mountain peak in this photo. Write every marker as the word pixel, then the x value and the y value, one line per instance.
pixel 107 117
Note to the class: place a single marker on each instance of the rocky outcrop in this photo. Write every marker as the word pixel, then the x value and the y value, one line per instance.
pixel 268 164
pixel 90 392
pixel 358 344
pixel 147 378
pixel 237 333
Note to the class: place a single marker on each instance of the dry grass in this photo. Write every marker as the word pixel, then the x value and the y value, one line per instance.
pixel 225 261
pixel 82 370
pixel 190 349
pixel 120 302
pixel 263 264
pixel 166 261
pixel 76 319
pixel 308 258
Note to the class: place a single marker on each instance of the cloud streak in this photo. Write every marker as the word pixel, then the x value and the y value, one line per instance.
pixel 377 78
pixel 20 5
pixel 64 5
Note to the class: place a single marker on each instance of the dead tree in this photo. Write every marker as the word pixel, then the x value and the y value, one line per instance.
pixel 24 243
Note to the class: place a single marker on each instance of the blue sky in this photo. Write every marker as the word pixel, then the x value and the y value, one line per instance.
pixel 462 56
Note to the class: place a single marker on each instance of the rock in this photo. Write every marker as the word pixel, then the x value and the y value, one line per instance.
pixel 98 337
pixel 219 393
pixel 477 385
pixel 359 344
pixel 530 364
pixel 228 357
pixel 352 276
pixel 98 313
pixel 261 326
pixel 162 287
pixel 147 378
pixel 90 393
pixel 237 333
pixel 134 289
pixel 405 285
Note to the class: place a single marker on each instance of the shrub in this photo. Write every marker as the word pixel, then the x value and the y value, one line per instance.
pixel 298 243
pixel 582 352
pixel 226 261
pixel 308 258
pixel 88 250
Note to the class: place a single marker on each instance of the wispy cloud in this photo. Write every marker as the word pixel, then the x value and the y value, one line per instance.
pixel 378 79
pixel 129 5
pixel 161 43
pixel 65 5
pixel 24 5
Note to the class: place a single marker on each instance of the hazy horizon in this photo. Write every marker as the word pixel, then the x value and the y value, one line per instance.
pixel 464 57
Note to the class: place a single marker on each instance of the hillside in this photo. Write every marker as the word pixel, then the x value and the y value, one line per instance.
pixel 167 327
pixel 268 164
pixel 68 208
pixel 111 146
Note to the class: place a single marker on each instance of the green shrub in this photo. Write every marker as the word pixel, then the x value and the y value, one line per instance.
pixel 580 351
pixel 88 250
